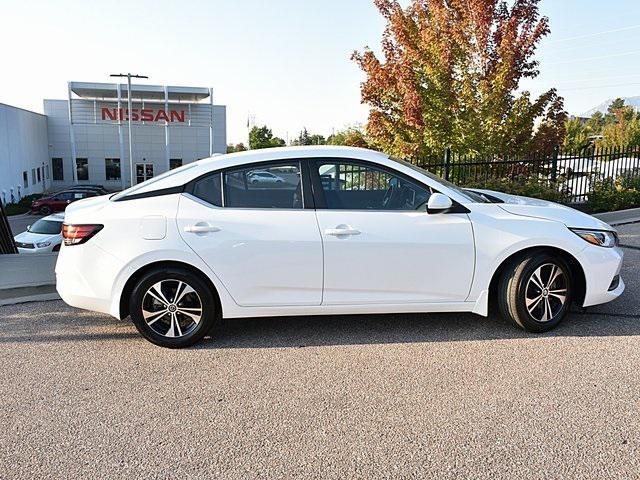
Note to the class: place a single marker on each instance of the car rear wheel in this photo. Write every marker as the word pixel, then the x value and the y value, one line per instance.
pixel 535 291
pixel 173 307
pixel 45 210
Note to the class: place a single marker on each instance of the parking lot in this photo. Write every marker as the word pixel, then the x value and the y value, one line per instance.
pixel 452 395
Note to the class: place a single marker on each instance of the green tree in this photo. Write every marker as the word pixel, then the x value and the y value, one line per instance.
pixel 305 138
pixel 622 130
pixel 578 135
pixel 262 137
pixel 238 147
pixel 450 77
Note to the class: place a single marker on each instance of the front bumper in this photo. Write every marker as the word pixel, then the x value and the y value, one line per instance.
pixel 601 266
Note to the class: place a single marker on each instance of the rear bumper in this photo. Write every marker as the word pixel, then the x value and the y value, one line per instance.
pixel 601 265
pixel 85 275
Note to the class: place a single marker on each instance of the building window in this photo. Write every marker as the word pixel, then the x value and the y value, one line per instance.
pixel 46 171
pixel 25 179
pixel 33 176
pixel 175 163
pixel 58 169
pixel 38 173
pixel 82 168
pixel 112 168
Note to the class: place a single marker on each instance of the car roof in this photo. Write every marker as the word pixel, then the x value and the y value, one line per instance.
pixel 190 171
pixel 56 217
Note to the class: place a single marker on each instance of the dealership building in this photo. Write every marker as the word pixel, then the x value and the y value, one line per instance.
pixel 85 137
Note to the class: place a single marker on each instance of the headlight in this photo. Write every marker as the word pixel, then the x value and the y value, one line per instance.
pixel 602 238
pixel 43 244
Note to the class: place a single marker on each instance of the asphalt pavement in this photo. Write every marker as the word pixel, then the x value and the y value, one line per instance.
pixel 19 223
pixel 371 396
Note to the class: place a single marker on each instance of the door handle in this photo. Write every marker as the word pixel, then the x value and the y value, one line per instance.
pixel 341 230
pixel 201 228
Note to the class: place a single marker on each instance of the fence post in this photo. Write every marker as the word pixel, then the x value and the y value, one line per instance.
pixel 447 162
pixel 554 164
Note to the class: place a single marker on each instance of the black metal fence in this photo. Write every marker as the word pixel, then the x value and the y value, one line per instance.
pixel 572 174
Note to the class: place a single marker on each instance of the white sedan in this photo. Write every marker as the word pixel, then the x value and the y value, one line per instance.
pixel 44 236
pixel 356 232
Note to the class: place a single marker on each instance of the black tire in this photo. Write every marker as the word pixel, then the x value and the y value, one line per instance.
pixel 159 327
pixel 45 210
pixel 519 286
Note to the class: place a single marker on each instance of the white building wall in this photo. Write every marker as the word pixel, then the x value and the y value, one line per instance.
pixel 23 148
pixel 97 141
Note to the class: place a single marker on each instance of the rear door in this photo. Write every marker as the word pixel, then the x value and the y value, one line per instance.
pixel 380 244
pixel 260 237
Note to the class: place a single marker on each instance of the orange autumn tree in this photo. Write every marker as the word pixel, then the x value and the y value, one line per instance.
pixel 450 78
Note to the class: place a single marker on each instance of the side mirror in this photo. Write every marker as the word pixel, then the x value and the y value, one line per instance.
pixel 438 203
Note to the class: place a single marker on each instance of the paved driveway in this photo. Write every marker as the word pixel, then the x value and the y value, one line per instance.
pixel 395 396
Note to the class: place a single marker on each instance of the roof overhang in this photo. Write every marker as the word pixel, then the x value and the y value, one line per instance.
pixel 138 92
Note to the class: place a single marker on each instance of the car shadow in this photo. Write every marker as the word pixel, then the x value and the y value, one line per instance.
pixel 335 330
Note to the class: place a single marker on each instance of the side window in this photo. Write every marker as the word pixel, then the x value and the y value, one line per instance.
pixel 272 185
pixel 208 189
pixel 355 186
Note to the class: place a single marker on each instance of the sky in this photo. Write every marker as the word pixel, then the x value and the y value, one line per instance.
pixel 284 62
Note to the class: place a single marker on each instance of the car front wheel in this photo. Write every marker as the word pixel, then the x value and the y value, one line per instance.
pixel 535 291
pixel 45 210
pixel 172 307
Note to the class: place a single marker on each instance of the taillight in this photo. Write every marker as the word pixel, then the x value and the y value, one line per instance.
pixel 77 234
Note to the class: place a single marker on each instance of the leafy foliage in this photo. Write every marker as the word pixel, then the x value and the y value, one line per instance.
pixel 450 76
pixel 610 194
pixel 354 136
pixel 238 147
pixel 307 139
pixel 262 137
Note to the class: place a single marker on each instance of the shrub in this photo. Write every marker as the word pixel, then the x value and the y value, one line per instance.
pixel 609 194
pixel 15 209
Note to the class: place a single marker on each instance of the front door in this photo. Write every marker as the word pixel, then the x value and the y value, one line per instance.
pixel 255 234
pixel 380 244
pixel 144 171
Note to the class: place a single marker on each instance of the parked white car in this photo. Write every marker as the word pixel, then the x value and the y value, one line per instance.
pixel 359 232
pixel 44 236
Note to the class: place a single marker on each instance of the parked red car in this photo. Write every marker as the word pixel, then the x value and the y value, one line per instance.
pixel 59 201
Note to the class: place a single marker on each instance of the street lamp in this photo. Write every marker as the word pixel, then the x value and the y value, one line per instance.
pixel 129 77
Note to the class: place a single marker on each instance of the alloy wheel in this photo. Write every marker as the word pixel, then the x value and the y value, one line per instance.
pixel 546 292
pixel 172 308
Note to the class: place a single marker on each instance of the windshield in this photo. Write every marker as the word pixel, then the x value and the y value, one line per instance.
pixel 46 227
pixel 471 196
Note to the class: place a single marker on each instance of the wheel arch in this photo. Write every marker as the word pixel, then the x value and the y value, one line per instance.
pixel 577 272
pixel 161 264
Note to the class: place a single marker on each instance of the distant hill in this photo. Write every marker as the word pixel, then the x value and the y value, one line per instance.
pixel 630 101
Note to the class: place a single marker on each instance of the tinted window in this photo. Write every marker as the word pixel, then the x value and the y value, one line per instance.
pixel 264 186
pixel 354 186
pixel 208 189
pixel 112 168
pixel 58 170
pixel 82 169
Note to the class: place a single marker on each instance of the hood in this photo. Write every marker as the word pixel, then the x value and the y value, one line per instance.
pixel 534 207
pixel 28 237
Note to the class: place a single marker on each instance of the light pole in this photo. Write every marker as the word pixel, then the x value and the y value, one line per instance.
pixel 129 77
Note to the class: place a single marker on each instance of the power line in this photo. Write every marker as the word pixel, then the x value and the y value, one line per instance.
pixel 601 57
pixel 595 34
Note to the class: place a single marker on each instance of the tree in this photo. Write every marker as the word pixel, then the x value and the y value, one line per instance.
pixel 307 139
pixel 552 130
pixel 262 137
pixel 351 136
pixel 238 147
pixel 623 130
pixel 578 135
pixel 450 75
